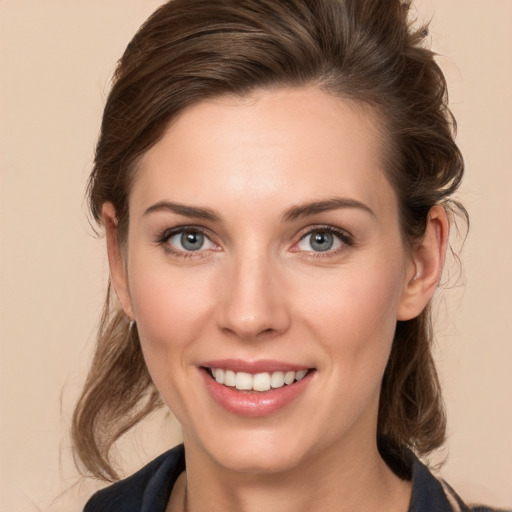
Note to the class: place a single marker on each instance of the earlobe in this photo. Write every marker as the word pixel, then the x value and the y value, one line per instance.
pixel 426 265
pixel 115 258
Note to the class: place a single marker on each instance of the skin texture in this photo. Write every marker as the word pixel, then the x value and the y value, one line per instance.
pixel 257 290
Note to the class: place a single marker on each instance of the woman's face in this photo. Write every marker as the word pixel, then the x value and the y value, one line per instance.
pixel 264 240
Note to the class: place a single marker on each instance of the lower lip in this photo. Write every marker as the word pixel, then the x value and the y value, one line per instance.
pixel 254 403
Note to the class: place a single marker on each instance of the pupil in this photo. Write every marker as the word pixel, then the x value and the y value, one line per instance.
pixel 322 241
pixel 192 241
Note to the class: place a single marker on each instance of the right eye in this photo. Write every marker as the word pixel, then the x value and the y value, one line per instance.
pixel 188 240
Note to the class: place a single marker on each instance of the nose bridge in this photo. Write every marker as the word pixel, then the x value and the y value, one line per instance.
pixel 253 302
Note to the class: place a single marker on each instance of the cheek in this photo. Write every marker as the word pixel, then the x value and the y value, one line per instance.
pixel 168 305
pixel 354 311
pixel 353 319
pixel 171 312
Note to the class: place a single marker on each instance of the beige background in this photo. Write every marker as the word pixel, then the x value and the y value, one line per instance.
pixel 56 60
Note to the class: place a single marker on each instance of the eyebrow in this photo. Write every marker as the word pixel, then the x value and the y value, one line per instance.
pixel 184 210
pixel 293 213
pixel 335 203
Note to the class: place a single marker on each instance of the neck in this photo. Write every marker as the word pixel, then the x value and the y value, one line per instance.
pixel 344 479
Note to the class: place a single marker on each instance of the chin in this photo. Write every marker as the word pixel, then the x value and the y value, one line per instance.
pixel 257 451
pixel 255 460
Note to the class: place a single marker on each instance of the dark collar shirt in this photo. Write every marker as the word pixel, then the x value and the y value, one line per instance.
pixel 149 489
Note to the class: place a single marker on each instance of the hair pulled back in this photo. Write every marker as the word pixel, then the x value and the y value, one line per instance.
pixel 366 51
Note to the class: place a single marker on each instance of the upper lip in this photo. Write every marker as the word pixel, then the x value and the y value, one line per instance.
pixel 258 366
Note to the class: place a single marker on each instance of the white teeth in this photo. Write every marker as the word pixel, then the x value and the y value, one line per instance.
pixel 277 380
pixel 300 374
pixel 229 378
pixel 243 381
pixel 258 382
pixel 261 382
pixel 219 375
pixel 289 377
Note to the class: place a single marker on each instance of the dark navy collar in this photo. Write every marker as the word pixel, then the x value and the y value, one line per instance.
pixel 149 489
pixel 427 492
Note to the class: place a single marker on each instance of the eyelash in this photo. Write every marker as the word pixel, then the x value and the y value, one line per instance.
pixel 344 237
pixel 164 237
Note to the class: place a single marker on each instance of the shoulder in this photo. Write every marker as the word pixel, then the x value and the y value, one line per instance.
pixel 147 489
pixel 458 504
pixel 432 494
pixel 482 508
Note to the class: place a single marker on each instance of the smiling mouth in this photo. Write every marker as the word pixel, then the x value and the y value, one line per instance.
pixel 261 382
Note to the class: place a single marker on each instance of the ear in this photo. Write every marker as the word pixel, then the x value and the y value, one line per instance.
pixel 115 259
pixel 426 266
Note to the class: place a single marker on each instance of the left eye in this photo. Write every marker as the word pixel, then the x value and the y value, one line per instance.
pixel 190 241
pixel 320 240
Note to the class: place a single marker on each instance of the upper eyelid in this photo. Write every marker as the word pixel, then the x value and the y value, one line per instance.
pixel 344 236
pixel 326 227
pixel 164 235
pixel 187 227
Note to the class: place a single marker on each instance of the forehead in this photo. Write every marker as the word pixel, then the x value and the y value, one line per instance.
pixel 272 148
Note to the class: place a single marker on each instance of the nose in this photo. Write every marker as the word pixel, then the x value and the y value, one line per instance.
pixel 253 301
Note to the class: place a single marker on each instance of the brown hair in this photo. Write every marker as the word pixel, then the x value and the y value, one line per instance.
pixel 190 50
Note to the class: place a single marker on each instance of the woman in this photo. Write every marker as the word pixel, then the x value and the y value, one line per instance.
pixel 275 180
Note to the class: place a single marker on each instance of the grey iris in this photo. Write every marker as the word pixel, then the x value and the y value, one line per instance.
pixel 192 240
pixel 321 241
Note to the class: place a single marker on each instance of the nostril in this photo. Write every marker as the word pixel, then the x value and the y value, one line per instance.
pixel 249 330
